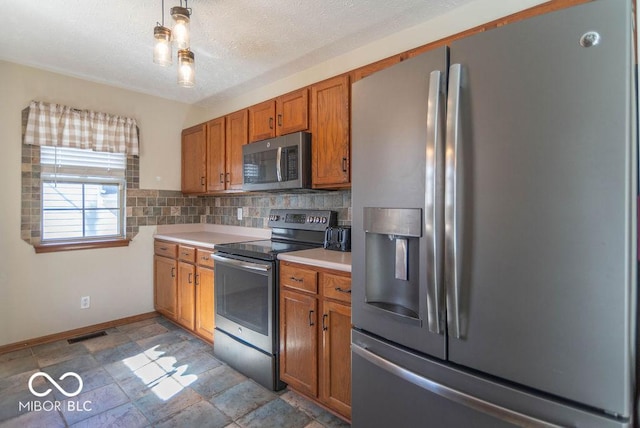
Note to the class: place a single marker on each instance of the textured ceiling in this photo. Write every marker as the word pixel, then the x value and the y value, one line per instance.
pixel 239 45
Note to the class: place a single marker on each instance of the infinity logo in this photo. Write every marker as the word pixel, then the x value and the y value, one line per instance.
pixel 66 375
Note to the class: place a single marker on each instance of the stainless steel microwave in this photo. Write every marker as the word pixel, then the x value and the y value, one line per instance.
pixel 281 163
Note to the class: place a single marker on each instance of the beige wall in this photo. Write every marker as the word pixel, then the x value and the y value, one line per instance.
pixel 40 294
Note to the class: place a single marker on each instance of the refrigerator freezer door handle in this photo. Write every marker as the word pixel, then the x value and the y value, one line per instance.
pixel 452 203
pixel 433 202
pixel 449 393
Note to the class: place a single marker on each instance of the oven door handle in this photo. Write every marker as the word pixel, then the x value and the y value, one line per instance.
pixel 242 264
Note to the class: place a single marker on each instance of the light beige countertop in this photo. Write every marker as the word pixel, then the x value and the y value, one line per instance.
pixel 209 235
pixel 320 257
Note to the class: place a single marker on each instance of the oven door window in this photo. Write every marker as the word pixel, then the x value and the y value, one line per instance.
pixel 242 296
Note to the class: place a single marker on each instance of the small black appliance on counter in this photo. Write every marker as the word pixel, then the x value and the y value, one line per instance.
pixel 338 238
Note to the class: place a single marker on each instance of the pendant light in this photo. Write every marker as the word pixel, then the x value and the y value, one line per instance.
pixel 179 35
pixel 162 43
pixel 181 17
pixel 186 68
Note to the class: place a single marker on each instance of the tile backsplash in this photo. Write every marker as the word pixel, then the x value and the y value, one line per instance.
pixel 152 207
pixel 256 207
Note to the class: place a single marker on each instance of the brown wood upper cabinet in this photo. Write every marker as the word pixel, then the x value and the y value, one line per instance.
pixel 236 137
pixel 226 136
pixel 194 159
pixel 331 146
pixel 212 154
pixel 282 115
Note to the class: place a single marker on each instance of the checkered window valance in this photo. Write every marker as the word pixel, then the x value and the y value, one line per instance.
pixel 62 126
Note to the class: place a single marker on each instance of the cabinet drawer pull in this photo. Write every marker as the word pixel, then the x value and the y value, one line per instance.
pixel 173 272
pixel 310 319
pixel 185 253
pixel 202 181
pixel 324 325
pixel 189 278
pixel 344 164
pixel 228 175
pixel 279 120
pixel 197 279
pixel 221 177
pixel 205 258
pixel 270 123
pixel 163 248
pixel 293 278
pixel 342 290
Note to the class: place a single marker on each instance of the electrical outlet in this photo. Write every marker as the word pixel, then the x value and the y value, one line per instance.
pixel 85 302
pixel 239 213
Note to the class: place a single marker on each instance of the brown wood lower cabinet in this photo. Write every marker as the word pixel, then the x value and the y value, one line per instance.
pixel 204 323
pixel 183 286
pixel 315 334
pixel 165 278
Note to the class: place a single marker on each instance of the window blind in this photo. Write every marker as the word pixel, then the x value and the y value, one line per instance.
pixel 64 161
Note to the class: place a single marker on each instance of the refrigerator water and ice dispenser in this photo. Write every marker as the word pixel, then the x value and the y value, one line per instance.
pixel 392 257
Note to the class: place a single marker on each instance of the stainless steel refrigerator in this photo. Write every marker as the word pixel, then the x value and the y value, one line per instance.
pixel 494 229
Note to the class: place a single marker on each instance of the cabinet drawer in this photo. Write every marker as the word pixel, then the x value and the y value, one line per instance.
pixel 187 254
pixel 336 287
pixel 298 278
pixel 165 249
pixel 204 257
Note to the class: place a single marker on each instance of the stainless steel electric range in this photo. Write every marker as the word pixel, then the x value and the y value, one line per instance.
pixel 246 292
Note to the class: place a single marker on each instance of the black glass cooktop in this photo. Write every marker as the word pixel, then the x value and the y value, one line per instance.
pixel 263 250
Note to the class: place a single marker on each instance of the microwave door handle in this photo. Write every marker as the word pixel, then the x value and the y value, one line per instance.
pixel 279 164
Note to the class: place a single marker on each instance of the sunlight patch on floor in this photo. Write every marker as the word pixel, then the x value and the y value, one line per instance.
pixel 160 373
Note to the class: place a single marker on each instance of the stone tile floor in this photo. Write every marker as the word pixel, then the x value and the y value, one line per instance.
pixel 148 373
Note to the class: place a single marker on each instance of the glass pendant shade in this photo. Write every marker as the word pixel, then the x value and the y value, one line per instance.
pixel 180 31
pixel 162 46
pixel 186 68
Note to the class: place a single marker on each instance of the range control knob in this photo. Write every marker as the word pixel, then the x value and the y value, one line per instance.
pixel 324 220
pixel 310 219
pixel 317 219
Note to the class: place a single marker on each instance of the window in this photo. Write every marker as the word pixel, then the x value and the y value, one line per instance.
pixel 83 194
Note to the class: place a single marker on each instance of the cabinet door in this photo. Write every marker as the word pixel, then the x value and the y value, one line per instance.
pixel 194 159
pixel 186 294
pixel 299 341
pixel 330 130
pixel 261 121
pixel 165 283
pixel 215 154
pixel 335 365
pixel 236 138
pixel 204 303
pixel 292 112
